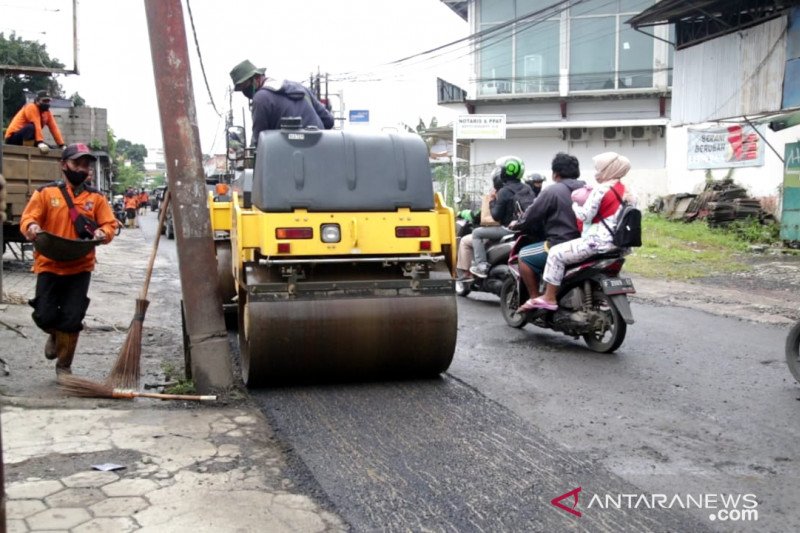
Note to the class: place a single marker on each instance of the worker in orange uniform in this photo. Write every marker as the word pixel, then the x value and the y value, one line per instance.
pixel 27 124
pixel 131 205
pixel 61 301
pixel 144 201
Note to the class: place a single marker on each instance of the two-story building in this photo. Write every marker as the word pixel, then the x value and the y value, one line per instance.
pixel 573 78
pixel 577 77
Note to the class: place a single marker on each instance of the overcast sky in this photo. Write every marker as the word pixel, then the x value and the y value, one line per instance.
pixel 290 38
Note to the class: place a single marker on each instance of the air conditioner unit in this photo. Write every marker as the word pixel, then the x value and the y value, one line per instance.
pixel 613 134
pixel 577 134
pixel 642 133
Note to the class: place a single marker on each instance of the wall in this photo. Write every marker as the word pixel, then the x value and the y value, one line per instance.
pixel 759 181
pixel 80 124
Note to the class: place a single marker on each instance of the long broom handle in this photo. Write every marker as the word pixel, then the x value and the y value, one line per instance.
pixel 128 394
pixel 161 218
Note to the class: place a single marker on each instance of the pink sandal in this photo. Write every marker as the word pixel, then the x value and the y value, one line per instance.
pixel 536 303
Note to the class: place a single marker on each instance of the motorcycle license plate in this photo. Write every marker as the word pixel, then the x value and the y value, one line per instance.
pixel 618 286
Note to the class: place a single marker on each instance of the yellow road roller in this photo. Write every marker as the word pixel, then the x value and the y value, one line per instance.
pixel 343 260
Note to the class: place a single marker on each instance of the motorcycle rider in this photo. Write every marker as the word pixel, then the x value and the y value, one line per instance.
pixel 466 253
pixel 510 169
pixel 535 181
pixel 598 215
pixel 549 221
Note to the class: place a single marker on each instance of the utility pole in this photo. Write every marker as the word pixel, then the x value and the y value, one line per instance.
pixel 205 326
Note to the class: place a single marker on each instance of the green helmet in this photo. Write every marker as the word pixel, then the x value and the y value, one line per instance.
pixel 511 167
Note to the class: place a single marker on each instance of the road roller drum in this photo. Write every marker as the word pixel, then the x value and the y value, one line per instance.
pixel 344 262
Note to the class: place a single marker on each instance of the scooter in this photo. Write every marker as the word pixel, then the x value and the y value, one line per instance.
pixel 119 213
pixel 496 253
pixel 592 300
pixel 793 351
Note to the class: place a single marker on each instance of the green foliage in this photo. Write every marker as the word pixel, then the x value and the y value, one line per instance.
pixel 17 51
pixel 183 386
pixel 677 250
pixel 135 153
pixel 751 230
pixel 127 176
pixel 443 176
pixel 158 181
pixel 77 100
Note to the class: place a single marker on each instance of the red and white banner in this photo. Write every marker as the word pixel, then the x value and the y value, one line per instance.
pixel 730 147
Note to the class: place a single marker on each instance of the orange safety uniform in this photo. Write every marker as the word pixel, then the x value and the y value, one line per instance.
pixel 131 202
pixel 30 114
pixel 143 198
pixel 49 210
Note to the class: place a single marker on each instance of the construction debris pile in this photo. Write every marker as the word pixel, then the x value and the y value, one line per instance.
pixel 720 203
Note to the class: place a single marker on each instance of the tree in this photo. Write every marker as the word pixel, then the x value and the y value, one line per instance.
pixel 77 100
pixel 135 153
pixel 17 51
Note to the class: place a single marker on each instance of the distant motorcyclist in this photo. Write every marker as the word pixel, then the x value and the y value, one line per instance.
pixel 512 198
pixel 549 221
pixel 535 181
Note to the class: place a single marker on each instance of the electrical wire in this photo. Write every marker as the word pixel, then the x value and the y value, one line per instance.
pixel 200 57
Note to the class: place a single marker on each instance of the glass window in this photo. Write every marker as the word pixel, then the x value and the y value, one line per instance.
pixel 634 6
pixel 496 11
pixel 525 7
pixel 635 59
pixel 592 53
pixel 594 7
pixel 496 63
pixel 537 56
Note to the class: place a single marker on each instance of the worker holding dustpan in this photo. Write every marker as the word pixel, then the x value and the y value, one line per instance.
pixel 66 220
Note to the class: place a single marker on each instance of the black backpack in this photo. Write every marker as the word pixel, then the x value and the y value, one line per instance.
pixel 522 200
pixel 628 233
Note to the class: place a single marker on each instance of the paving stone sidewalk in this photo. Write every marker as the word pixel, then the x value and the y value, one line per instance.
pixel 185 466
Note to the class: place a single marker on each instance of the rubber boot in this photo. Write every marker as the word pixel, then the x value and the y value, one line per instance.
pixel 65 351
pixel 50 345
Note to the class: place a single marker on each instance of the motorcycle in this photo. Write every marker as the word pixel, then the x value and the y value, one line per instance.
pixel 497 256
pixel 793 351
pixel 119 213
pixel 592 300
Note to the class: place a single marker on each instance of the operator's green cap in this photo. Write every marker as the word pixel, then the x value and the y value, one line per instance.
pixel 244 71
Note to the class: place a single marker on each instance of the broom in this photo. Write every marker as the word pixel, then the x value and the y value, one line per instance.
pixel 125 374
pixel 78 386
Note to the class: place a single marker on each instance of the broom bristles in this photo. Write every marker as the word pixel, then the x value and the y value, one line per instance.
pixel 125 373
pixel 78 386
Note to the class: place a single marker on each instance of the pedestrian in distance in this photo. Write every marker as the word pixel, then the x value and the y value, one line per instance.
pixel 131 205
pixel 144 202
pixel 274 99
pixel 60 301
pixel 27 124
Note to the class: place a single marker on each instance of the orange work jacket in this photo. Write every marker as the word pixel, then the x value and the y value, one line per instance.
pixel 30 114
pixel 131 202
pixel 49 210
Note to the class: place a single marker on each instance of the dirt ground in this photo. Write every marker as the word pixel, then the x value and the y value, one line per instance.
pixel 768 293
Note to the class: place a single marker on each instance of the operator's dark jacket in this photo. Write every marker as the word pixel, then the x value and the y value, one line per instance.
pixel 290 100
pixel 503 206
pixel 550 217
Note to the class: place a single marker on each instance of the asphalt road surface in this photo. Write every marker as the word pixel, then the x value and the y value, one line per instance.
pixel 692 405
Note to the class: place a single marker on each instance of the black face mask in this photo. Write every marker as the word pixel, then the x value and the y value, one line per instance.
pixel 43 107
pixel 75 177
pixel 249 91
